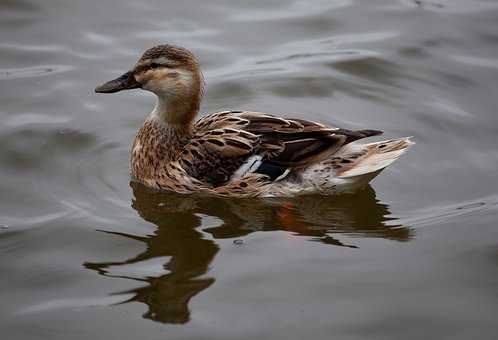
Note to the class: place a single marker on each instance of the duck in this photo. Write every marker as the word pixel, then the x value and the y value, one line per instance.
pixel 238 153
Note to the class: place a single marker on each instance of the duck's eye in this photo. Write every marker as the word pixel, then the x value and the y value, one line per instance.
pixel 155 65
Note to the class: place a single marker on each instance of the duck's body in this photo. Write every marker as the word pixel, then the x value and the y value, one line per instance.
pixel 239 153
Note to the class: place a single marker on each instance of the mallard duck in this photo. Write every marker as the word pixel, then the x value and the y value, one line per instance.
pixel 239 153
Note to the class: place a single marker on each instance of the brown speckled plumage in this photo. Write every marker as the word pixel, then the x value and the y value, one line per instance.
pixel 205 158
pixel 221 152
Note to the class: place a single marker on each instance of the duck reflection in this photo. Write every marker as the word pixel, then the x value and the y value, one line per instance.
pixel 181 238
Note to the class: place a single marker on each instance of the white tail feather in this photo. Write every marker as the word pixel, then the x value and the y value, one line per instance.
pixel 378 156
pixel 350 169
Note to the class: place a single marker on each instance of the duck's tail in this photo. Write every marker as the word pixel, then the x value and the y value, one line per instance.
pixel 353 166
pixel 364 159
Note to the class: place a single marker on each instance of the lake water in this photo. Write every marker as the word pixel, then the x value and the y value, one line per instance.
pixel 85 254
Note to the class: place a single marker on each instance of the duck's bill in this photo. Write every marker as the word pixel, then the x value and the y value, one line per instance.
pixel 126 82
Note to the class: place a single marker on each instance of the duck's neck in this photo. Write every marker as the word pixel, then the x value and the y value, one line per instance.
pixel 158 141
pixel 174 113
pixel 177 105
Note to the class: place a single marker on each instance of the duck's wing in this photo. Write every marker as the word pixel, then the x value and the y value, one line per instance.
pixel 214 155
pixel 229 144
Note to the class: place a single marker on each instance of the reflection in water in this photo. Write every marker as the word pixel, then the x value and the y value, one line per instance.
pixel 177 237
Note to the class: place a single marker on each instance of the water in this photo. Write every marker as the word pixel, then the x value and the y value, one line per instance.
pixel 87 255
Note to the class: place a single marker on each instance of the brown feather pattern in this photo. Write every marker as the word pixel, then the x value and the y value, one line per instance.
pixel 207 156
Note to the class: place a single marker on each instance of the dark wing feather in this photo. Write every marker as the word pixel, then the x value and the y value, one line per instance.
pixel 213 156
pixel 225 140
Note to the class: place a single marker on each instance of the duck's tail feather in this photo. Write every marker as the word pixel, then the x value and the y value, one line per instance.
pixel 367 159
pixel 350 169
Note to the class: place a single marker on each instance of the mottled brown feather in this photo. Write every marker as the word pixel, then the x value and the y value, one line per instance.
pixel 235 135
pixel 209 154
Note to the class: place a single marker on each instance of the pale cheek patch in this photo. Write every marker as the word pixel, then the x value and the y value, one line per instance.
pixel 185 76
pixel 142 78
pixel 167 80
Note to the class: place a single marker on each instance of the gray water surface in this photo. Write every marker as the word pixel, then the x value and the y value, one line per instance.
pixel 85 254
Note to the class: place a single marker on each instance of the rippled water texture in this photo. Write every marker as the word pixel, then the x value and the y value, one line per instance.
pixel 85 254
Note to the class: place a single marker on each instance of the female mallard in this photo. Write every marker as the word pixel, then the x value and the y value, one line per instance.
pixel 239 153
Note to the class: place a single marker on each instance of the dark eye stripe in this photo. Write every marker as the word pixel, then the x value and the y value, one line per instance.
pixel 156 65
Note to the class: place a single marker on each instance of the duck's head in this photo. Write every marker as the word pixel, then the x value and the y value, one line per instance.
pixel 172 73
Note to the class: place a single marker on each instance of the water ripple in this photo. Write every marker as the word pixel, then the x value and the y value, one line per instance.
pixel 297 9
pixel 21 119
pixel 477 61
pixel 34 71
